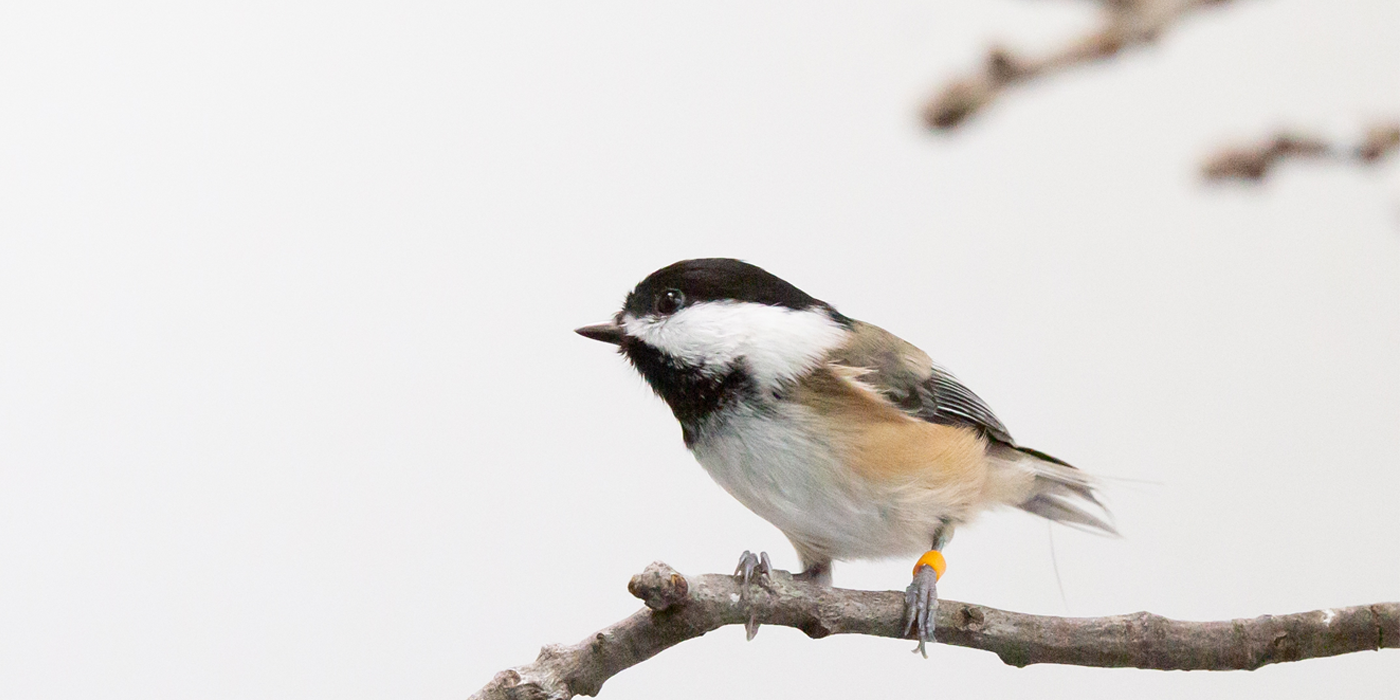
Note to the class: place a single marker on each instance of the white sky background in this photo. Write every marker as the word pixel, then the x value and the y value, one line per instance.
pixel 290 405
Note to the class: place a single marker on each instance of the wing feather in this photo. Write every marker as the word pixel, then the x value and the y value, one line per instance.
pixel 910 380
pixel 950 401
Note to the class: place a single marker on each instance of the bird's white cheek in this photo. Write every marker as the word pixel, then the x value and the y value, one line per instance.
pixel 775 343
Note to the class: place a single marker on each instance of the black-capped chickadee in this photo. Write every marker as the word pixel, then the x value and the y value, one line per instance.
pixel 848 439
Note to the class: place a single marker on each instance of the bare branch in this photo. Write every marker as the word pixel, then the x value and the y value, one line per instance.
pixel 1381 140
pixel 1125 23
pixel 681 608
pixel 1252 163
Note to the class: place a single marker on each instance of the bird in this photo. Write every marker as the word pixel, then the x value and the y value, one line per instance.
pixel 848 439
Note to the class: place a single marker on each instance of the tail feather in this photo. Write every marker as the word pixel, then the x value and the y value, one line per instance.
pixel 1062 510
pixel 1061 493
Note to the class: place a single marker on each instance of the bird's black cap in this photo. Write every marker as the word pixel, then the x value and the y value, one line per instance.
pixel 717 279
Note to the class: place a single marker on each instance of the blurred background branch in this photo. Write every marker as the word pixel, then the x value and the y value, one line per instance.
pixel 1125 23
pixel 1252 163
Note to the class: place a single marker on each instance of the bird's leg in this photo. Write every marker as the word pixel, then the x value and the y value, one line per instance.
pixel 921 597
pixel 749 565
pixel 818 572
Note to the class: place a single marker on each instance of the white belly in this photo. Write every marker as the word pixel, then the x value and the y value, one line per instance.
pixel 776 465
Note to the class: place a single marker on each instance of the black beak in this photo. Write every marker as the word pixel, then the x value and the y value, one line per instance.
pixel 608 332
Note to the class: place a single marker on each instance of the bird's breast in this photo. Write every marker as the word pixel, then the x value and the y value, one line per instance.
pixel 785 465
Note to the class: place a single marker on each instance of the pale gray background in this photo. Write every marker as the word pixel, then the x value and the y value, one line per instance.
pixel 290 406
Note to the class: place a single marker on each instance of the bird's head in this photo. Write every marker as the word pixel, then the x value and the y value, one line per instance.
pixel 716 324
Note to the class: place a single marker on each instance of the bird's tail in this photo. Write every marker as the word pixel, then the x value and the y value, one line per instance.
pixel 1057 491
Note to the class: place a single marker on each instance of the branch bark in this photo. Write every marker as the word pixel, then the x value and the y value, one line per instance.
pixel 1125 23
pixel 681 608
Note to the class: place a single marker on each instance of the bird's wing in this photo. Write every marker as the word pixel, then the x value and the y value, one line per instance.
pixel 911 381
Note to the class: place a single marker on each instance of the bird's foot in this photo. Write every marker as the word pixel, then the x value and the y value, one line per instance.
pixel 751 569
pixel 751 566
pixel 921 599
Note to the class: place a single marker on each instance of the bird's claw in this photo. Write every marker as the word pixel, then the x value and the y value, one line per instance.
pixel 751 566
pixel 921 607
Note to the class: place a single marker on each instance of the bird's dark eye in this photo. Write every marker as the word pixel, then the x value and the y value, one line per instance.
pixel 669 301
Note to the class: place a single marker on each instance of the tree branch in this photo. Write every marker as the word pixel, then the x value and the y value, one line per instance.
pixel 1125 23
pixel 1252 163
pixel 681 608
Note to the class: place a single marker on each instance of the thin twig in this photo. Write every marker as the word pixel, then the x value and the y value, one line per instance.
pixel 681 608
pixel 1252 163
pixel 1125 23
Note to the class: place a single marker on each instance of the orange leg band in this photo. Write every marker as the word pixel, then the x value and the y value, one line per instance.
pixel 934 560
